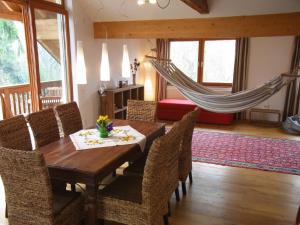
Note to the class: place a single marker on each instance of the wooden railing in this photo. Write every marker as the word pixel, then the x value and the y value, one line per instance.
pixel 16 99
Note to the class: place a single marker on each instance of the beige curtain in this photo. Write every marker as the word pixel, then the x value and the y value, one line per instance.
pixel 240 76
pixel 292 98
pixel 163 52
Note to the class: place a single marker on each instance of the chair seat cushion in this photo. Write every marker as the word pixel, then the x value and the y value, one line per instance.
pixel 126 188
pixel 136 168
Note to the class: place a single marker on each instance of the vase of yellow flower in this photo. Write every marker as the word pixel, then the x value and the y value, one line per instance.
pixel 104 126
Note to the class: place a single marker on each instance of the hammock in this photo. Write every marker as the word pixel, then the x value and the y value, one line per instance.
pixel 215 101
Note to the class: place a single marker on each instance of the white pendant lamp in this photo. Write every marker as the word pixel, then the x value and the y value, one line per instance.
pixel 104 67
pixel 80 65
pixel 125 63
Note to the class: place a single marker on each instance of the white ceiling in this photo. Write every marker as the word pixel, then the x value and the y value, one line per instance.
pixel 118 10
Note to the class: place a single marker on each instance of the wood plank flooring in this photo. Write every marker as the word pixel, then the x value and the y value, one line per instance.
pixel 223 195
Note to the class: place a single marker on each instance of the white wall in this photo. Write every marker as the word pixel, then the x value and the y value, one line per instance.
pixel 81 29
pixel 269 57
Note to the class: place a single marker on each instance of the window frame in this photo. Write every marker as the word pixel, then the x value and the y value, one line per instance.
pixel 201 58
pixel 28 18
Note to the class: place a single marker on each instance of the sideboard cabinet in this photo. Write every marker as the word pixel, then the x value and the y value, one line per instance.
pixel 113 102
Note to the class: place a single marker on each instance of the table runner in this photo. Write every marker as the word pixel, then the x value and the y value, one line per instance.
pixel 120 135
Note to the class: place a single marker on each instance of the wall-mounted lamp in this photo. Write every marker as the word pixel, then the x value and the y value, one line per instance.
pixel 125 63
pixel 104 67
pixel 80 65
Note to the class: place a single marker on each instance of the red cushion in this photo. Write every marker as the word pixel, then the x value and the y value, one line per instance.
pixel 175 109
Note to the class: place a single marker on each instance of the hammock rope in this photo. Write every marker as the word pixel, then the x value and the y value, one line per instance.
pixel 218 101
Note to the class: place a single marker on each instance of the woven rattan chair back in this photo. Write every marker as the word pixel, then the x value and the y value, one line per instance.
pixel 185 156
pixel 70 118
pixel 141 110
pixel 298 217
pixel 14 134
pixel 44 127
pixel 27 187
pixel 161 170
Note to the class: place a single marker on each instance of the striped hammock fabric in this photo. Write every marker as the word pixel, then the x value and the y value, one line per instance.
pixel 212 100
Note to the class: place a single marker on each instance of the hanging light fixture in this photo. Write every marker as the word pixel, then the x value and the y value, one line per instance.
pixel 80 65
pixel 125 63
pixel 104 67
pixel 142 2
pixel 154 2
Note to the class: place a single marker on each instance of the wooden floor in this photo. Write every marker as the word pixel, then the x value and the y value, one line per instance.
pixel 233 196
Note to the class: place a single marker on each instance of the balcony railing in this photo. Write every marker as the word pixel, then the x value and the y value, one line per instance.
pixel 16 100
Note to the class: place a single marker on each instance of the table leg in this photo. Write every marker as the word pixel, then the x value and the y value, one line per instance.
pixel 92 192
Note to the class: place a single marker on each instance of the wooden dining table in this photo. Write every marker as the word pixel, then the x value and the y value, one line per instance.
pixel 91 166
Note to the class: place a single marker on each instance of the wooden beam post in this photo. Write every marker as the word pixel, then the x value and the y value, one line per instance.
pixel 221 27
pixel 200 6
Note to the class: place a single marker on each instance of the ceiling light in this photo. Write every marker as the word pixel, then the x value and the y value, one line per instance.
pixel 154 2
pixel 141 2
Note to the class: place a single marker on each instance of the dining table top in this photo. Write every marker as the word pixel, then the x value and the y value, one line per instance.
pixel 61 157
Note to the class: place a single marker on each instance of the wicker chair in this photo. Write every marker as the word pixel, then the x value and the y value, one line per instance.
pixel 141 110
pixel 298 217
pixel 14 134
pixel 185 155
pixel 69 116
pixel 29 195
pixel 143 200
pixel 44 127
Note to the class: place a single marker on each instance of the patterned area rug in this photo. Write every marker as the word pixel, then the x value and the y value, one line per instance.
pixel 269 154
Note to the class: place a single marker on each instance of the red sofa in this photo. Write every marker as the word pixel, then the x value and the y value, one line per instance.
pixel 175 109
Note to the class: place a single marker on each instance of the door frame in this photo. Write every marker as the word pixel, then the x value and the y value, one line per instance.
pixel 28 18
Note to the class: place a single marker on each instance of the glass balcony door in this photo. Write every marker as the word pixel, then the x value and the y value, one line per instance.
pixel 52 63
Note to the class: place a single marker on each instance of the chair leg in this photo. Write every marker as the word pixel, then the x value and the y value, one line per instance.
pixel 166 220
pixel 100 222
pixel 183 186
pixel 6 211
pixel 177 195
pixel 169 209
pixel 191 177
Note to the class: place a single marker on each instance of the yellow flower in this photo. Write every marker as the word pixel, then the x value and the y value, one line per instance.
pixel 102 120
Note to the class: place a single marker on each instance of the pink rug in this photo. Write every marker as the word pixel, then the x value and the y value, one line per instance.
pixel 269 154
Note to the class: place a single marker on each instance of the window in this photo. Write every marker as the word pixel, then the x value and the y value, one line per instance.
pixel 209 62
pixel 184 54
pixel 35 66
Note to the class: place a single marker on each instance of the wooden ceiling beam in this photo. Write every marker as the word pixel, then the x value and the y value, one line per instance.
pixel 200 6
pixel 222 27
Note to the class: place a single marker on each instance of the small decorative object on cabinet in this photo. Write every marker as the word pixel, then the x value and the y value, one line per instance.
pixel 113 102
pixel 134 67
